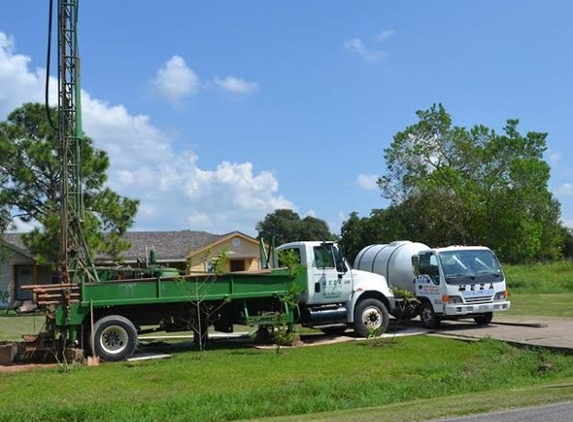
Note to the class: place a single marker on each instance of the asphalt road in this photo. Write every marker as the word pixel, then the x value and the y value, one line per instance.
pixel 561 412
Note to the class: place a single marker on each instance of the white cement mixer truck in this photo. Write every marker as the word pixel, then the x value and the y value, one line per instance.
pixel 449 283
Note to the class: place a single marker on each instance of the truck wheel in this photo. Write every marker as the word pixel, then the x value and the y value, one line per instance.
pixel 428 316
pixel 405 313
pixel 484 319
pixel 370 316
pixel 115 338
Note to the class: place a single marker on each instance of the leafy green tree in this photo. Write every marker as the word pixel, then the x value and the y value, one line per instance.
pixel 356 232
pixel 567 245
pixel 450 184
pixel 352 235
pixel 30 190
pixel 286 226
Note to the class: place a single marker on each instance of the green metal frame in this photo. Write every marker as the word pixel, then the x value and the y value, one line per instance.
pixel 76 264
pixel 75 259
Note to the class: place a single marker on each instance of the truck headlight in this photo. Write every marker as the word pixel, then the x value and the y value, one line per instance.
pixel 501 295
pixel 455 299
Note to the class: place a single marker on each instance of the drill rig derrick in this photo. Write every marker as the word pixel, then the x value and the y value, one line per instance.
pixel 76 264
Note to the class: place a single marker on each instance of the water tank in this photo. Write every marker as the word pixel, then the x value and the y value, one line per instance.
pixel 393 261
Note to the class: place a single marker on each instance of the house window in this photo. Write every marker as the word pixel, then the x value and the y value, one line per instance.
pixel 237 265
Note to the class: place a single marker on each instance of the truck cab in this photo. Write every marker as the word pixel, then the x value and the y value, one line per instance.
pixel 459 281
pixel 336 296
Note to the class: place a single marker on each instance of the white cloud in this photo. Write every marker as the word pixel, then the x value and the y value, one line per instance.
pixel 175 192
pixel 355 45
pixel 18 83
pixel 310 213
pixel 367 181
pixel 175 80
pixel 234 85
pixel 554 156
pixel 20 227
pixel 385 34
pixel 567 223
pixel 566 189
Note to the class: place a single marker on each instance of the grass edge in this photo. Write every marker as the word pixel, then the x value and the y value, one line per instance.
pixel 449 406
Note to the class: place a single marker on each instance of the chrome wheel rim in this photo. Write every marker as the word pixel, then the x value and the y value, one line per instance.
pixel 372 318
pixel 114 339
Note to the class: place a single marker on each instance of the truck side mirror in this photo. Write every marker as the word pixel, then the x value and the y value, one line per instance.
pixel 339 260
pixel 416 264
pixel 341 266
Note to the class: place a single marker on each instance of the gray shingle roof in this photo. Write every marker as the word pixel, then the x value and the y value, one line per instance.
pixel 15 240
pixel 169 245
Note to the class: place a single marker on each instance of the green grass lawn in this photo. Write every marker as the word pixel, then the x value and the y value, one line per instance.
pixel 554 277
pixel 440 407
pixel 405 379
pixel 552 305
pixel 12 326
pixel 242 382
pixel 541 289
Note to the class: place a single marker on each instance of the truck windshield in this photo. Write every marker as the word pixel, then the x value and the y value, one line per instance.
pixel 469 266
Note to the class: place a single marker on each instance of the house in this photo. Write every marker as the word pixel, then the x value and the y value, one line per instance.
pixel 189 251
pixel 18 268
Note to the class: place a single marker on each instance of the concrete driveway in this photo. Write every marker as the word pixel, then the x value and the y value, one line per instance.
pixel 554 333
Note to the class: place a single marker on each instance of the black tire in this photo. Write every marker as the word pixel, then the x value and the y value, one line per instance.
pixel 484 319
pixel 405 313
pixel 334 331
pixel 429 317
pixel 370 316
pixel 262 335
pixel 115 338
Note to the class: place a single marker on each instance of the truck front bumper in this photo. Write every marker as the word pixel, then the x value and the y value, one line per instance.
pixel 477 308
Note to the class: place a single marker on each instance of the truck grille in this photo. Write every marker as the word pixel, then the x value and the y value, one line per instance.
pixel 478 299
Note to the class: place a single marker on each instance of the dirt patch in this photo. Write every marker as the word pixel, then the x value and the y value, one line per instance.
pixel 20 367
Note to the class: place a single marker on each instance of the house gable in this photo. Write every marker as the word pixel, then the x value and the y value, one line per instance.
pixel 242 253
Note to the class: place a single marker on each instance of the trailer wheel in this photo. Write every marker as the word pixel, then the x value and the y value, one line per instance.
pixel 428 316
pixel 115 338
pixel 370 316
pixel 484 319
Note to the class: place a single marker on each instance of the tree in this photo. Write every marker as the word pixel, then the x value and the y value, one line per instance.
pixel 449 184
pixel 356 232
pixel 30 190
pixel 286 226
pixel 567 246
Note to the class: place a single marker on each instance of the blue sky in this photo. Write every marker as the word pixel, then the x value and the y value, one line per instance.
pixel 216 113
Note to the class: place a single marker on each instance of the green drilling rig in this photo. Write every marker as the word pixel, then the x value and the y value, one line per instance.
pixel 102 310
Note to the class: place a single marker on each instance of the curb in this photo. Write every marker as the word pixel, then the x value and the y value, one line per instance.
pixel 532 324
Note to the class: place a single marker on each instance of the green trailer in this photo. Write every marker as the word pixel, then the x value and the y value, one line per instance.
pixel 107 316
